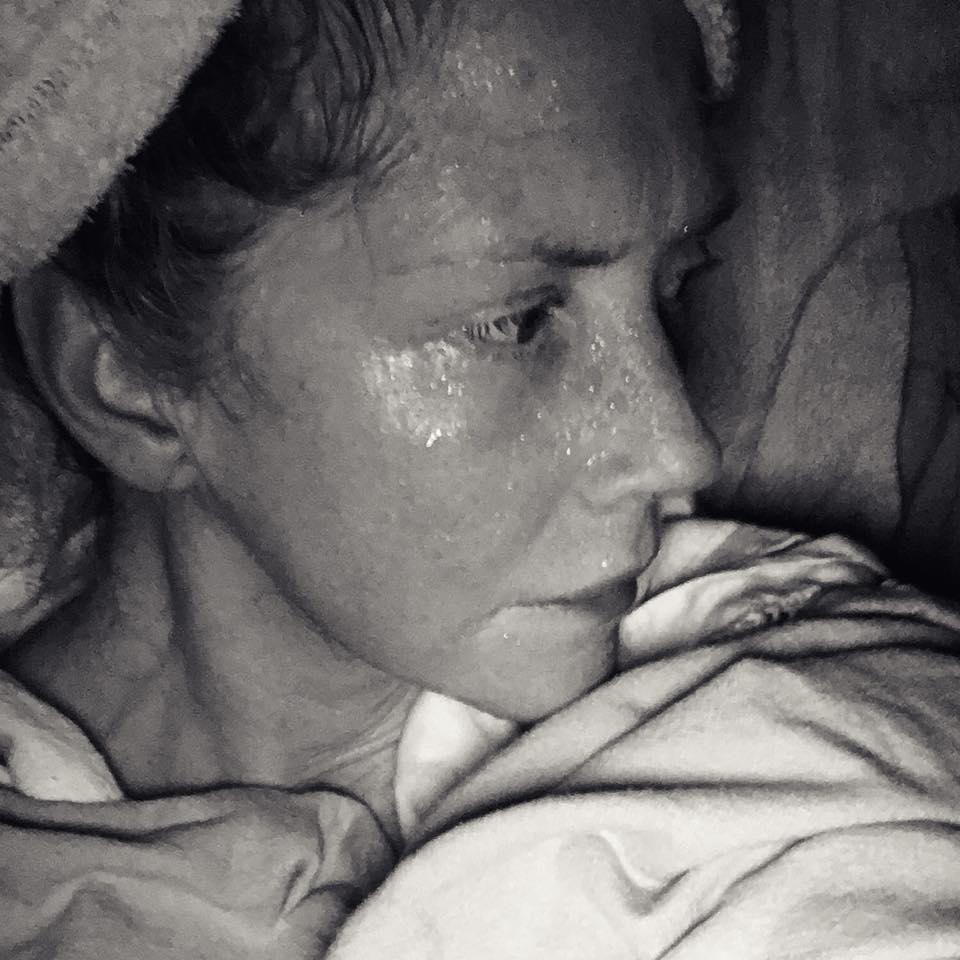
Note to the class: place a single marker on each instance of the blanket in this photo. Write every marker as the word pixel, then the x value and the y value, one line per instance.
pixel 774 772
pixel 821 348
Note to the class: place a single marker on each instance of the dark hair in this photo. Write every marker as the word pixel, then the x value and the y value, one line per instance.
pixel 278 112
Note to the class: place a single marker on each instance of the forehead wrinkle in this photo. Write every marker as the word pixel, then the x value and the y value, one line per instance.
pixel 421 206
pixel 486 218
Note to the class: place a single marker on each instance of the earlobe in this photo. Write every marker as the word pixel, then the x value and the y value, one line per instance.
pixel 147 448
pixel 109 406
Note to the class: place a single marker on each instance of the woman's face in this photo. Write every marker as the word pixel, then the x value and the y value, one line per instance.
pixel 474 418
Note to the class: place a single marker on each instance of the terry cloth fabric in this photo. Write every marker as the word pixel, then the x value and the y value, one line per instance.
pixel 719 25
pixel 81 84
pixel 46 530
pixel 775 774
pixel 47 500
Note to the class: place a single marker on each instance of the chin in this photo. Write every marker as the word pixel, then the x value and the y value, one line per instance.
pixel 538 671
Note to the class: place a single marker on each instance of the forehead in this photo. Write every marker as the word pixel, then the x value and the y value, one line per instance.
pixel 560 56
pixel 537 117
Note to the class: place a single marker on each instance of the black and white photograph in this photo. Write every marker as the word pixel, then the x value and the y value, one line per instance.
pixel 479 480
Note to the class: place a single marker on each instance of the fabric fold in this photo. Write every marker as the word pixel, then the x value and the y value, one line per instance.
pixel 748 797
pixel 233 873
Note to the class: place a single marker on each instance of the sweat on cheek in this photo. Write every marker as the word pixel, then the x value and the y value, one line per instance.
pixel 419 392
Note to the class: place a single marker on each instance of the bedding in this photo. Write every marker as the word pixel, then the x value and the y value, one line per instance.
pixel 861 433
pixel 817 346
pixel 928 534
pixel 774 772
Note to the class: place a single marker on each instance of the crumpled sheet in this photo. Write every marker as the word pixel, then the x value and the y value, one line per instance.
pixel 217 876
pixel 88 875
pixel 801 346
pixel 775 774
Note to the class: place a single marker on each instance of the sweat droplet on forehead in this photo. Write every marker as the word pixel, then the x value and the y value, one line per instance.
pixel 486 61
pixel 511 135
pixel 477 77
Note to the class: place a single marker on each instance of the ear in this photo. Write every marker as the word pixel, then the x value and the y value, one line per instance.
pixel 118 414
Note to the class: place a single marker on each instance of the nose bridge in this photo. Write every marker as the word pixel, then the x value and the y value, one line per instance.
pixel 644 437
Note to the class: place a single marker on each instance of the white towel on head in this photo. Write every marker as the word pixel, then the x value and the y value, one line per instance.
pixel 81 84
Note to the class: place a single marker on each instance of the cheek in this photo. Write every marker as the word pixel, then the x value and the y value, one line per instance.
pixel 517 412
pixel 421 396
pixel 474 442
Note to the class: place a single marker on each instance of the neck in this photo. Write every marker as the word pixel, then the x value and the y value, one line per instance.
pixel 186 642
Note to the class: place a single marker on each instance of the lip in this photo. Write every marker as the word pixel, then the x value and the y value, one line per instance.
pixel 609 600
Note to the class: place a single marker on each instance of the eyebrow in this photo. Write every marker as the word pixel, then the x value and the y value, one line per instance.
pixel 571 257
pixel 555 255
pixel 550 254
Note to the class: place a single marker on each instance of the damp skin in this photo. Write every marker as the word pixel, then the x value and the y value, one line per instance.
pixel 420 391
pixel 441 506
pixel 597 370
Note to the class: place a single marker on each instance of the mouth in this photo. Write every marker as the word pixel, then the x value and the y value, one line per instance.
pixel 607 600
pixel 540 657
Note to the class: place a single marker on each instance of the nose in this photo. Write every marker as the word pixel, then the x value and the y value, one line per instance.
pixel 641 439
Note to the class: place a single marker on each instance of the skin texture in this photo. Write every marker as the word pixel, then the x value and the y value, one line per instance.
pixel 431 484
pixel 408 504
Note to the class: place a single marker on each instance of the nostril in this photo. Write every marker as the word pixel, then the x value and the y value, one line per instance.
pixel 654 450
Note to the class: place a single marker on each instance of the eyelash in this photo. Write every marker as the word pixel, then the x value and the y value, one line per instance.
pixel 515 330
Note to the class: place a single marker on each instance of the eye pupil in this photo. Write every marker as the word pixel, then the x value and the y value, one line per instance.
pixel 529 323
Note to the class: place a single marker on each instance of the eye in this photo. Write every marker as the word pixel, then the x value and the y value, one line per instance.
pixel 517 329
pixel 684 261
